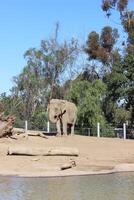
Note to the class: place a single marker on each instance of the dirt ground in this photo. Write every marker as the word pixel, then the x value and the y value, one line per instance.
pixel 96 155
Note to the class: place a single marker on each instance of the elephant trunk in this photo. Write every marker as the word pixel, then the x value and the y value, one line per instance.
pixel 52 118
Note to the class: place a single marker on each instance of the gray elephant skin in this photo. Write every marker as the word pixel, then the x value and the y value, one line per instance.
pixel 63 113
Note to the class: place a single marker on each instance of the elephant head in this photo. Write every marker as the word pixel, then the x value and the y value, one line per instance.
pixel 56 108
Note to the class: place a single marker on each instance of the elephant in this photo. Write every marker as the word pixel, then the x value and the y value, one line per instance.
pixel 63 113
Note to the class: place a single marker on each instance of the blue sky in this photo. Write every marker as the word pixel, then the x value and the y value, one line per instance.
pixel 24 23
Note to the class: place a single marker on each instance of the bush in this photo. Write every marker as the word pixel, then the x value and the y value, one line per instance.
pixel 39 121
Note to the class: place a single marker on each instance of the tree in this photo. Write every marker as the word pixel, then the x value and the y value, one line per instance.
pixel 122 115
pixel 127 60
pixel 29 89
pixel 126 16
pixel 115 93
pixel 53 59
pixel 92 45
pixel 108 5
pixel 88 97
pixel 101 47
pixel 41 78
pixel 128 65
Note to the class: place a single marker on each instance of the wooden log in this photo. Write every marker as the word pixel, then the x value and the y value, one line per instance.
pixel 51 151
pixel 18 131
pixel 36 133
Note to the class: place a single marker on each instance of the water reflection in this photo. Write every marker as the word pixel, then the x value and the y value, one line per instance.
pixel 98 187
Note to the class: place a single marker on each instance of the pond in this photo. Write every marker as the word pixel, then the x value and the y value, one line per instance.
pixel 118 186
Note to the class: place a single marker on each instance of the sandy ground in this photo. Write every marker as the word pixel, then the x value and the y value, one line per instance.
pixel 96 156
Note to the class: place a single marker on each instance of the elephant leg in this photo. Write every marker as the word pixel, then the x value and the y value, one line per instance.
pixel 58 126
pixel 72 129
pixel 64 128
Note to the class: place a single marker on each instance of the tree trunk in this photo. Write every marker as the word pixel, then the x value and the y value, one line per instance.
pixel 6 125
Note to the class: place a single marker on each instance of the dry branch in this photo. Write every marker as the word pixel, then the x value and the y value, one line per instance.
pixel 57 151
pixel 68 165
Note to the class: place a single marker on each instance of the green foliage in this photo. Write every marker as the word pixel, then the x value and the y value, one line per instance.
pixel 107 130
pixel 116 81
pixel 122 115
pixel 128 65
pixel 29 88
pixel 88 97
pixel 120 91
pixel 10 105
pixel 39 120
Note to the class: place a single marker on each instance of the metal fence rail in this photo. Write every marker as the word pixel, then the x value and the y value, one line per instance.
pixel 98 131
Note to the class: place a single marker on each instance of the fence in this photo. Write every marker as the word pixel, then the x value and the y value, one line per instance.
pixel 98 131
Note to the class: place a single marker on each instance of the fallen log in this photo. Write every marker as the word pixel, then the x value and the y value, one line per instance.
pixel 18 131
pixel 51 151
pixel 6 125
pixel 35 133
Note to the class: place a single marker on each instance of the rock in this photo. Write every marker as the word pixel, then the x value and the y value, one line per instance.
pixel 68 165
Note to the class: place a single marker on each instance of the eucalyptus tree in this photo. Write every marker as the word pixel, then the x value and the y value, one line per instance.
pixel 127 61
pixel 43 75
pixel 126 17
pixel 101 47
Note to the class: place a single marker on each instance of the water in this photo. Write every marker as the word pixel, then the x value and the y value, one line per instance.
pixel 94 187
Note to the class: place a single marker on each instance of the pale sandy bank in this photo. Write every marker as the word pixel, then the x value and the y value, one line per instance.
pixel 96 156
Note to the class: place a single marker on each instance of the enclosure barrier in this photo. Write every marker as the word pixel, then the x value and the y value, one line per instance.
pixel 26 126
pixel 48 127
pixel 124 131
pixel 98 131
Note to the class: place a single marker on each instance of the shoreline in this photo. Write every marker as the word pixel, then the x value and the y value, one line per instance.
pixel 96 156
pixel 121 168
